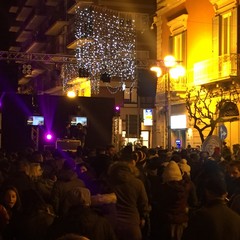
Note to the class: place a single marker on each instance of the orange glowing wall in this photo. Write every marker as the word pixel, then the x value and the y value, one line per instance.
pixel 199 31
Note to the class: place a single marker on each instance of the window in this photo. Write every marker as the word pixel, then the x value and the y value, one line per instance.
pixel 225 33
pixel 178 46
pixel 225 42
pixel 131 125
pixel 178 27
pixel 130 95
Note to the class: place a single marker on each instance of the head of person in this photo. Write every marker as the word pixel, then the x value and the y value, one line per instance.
pixel 126 153
pixel 185 168
pixel 81 168
pixel 215 187
pixel 111 150
pixel 139 156
pixel 36 157
pixel 10 198
pixel 204 155
pixel 171 172
pixel 35 170
pixel 72 236
pixel 234 169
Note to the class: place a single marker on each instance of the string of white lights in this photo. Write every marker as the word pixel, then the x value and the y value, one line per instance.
pixel 105 44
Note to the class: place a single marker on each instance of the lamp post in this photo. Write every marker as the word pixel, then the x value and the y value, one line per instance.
pixel 168 113
pixel 171 71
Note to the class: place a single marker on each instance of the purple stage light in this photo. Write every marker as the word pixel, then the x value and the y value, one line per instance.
pixel 49 136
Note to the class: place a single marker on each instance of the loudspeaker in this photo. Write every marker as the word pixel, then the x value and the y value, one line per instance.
pixel 147 83
pixel 105 77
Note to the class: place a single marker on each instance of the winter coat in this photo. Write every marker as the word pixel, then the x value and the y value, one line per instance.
pixel 173 202
pixel 83 221
pixel 67 181
pixel 132 201
pixel 215 221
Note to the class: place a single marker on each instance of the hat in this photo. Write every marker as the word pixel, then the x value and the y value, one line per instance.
pixel 126 153
pixel 185 168
pixel 141 157
pixel 172 172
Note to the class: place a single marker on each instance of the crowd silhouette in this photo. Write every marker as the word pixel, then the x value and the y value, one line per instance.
pixel 133 194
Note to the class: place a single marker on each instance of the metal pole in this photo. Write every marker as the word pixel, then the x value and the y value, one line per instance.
pixel 0 127
pixel 169 111
pixel 138 118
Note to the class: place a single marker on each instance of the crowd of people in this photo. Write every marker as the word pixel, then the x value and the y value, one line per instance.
pixel 133 194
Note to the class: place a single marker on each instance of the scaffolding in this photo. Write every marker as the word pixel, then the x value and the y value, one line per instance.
pixel 35 137
pixel 56 58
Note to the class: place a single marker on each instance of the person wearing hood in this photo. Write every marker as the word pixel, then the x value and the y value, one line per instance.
pixel 67 180
pixel 132 201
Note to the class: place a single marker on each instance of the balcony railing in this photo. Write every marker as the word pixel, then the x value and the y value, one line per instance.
pixel 216 69
pixel 177 85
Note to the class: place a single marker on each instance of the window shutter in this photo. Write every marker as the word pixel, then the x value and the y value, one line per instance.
pixel 184 47
pixel 233 31
pixel 215 36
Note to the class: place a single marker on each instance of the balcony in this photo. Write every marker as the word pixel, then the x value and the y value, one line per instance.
pixel 80 3
pixel 177 85
pixel 56 28
pixel 216 69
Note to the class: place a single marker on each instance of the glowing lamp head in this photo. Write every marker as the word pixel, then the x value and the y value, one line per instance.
pixel 156 69
pixel 49 137
pixel 117 111
pixel 177 72
pixel 169 61
pixel 71 94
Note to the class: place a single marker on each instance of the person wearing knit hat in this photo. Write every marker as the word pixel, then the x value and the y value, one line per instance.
pixel 185 168
pixel 139 157
pixel 172 172
pixel 172 206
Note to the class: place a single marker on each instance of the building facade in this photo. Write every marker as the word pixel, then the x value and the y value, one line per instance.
pixel 203 36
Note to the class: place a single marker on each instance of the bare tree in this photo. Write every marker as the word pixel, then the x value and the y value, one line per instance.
pixel 204 105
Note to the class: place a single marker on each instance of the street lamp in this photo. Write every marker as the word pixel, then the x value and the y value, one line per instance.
pixel 172 70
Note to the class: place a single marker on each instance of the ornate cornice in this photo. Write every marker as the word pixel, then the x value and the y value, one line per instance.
pixel 166 5
pixel 178 24
pixel 223 5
